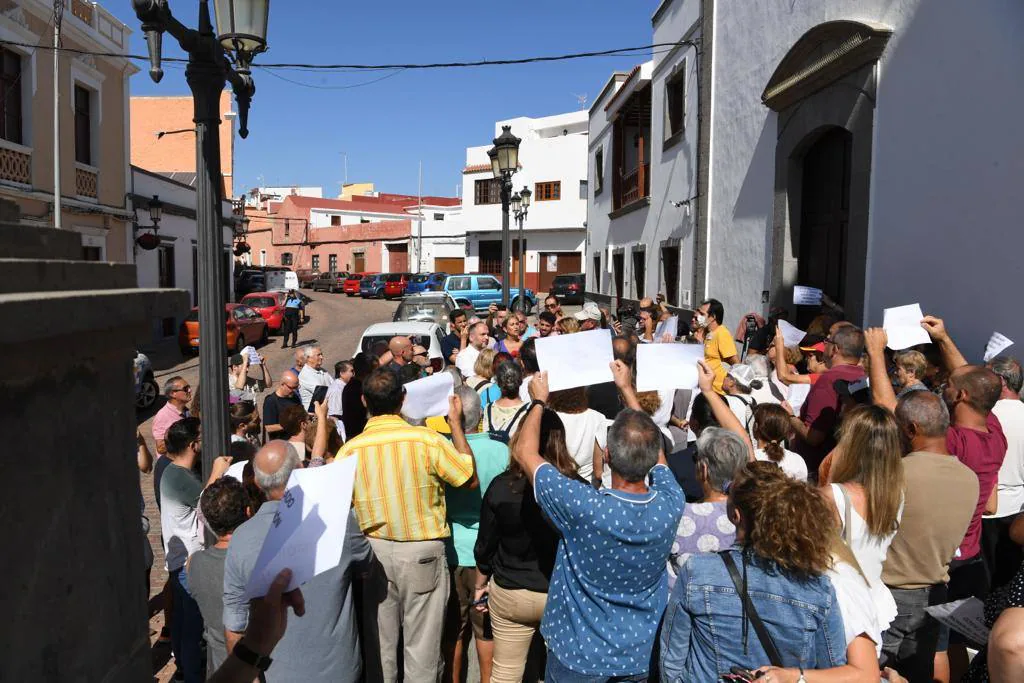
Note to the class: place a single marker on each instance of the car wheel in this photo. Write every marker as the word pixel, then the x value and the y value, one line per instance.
pixel 239 343
pixel 147 393
pixel 265 337
pixel 465 305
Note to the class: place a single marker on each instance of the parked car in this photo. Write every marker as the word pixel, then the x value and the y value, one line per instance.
pixel 146 389
pixel 425 334
pixel 306 276
pixel 372 286
pixel 480 291
pixel 395 284
pixel 426 307
pixel 244 326
pixel 569 288
pixel 426 282
pixel 329 282
pixel 351 286
pixel 270 305
pixel 249 281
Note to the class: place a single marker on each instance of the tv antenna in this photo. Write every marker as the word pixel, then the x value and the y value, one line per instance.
pixel 581 100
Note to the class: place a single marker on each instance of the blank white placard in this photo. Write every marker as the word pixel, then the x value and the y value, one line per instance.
pixel 791 335
pixel 667 366
pixel 428 397
pixel 902 326
pixel 576 360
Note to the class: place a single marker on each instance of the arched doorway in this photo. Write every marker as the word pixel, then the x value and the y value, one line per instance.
pixel 825 215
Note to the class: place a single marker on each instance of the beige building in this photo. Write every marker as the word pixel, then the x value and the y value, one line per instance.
pixel 93 92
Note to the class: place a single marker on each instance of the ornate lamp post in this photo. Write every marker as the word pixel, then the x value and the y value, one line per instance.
pixel 149 240
pixel 213 60
pixel 504 162
pixel 520 208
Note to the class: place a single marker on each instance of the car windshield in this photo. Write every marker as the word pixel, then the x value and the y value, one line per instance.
pixel 394 277
pixel 260 301
pixel 421 310
pixel 564 279
pixel 372 339
pixel 420 278
pixel 368 279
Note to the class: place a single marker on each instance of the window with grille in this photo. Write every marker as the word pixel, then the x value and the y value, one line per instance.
pixel 490 256
pixel 286 259
pixel 548 192
pixel 332 262
pixel 487 191
pixel 438 216
pixel 316 261
pixel 83 126
pixel 335 221
pixel 10 96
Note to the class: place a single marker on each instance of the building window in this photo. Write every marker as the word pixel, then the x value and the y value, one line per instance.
pixel 83 126
pixel 332 262
pixel 438 216
pixel 583 189
pixel 598 171
pixel 548 192
pixel 10 96
pixel 639 272
pixel 364 220
pixel 670 274
pixel 675 103
pixel 286 259
pixel 597 272
pixel 335 221
pixel 287 227
pixel 316 262
pixel 631 151
pixel 165 266
pixel 487 191
pixel 92 254
pixel 490 257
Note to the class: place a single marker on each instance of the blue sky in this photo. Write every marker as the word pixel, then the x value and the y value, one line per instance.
pixel 298 134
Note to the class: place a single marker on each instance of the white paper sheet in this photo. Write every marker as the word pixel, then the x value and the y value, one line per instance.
pixel 996 345
pixel 428 397
pixel 254 358
pixel 308 531
pixel 667 366
pixel 791 335
pixel 576 360
pixel 666 331
pixel 806 296
pixel 797 395
pixel 902 325
pixel 966 616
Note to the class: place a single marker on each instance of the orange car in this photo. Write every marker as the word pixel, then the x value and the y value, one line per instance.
pixel 244 327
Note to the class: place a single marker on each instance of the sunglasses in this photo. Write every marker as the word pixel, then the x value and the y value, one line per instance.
pixel 551 306
pixel 187 389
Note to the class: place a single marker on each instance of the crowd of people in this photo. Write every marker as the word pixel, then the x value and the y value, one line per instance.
pixel 789 519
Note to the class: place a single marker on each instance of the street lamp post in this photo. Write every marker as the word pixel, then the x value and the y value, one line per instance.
pixel 213 60
pixel 504 157
pixel 520 208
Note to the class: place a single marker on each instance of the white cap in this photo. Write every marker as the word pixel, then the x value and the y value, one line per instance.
pixel 590 312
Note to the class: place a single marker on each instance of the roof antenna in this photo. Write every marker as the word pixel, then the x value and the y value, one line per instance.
pixel 581 100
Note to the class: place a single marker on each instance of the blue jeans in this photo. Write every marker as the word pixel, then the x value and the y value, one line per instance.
pixel 186 629
pixel 556 672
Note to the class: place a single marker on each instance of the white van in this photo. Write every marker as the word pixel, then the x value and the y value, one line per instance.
pixel 280 280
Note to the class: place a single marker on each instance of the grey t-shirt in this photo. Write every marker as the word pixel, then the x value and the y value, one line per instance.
pixel 206 583
pixel 321 646
pixel 179 501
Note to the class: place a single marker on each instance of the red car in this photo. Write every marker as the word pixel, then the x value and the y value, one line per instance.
pixel 351 286
pixel 268 304
pixel 243 326
pixel 395 284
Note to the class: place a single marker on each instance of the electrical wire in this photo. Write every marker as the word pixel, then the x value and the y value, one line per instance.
pixel 332 87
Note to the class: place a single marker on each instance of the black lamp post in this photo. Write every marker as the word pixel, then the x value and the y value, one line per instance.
pixel 520 208
pixel 504 162
pixel 150 240
pixel 213 60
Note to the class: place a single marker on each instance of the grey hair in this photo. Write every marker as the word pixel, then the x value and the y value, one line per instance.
pixel 634 442
pixel 759 364
pixel 472 412
pixel 509 377
pixel 926 411
pixel 309 350
pixel 277 480
pixel 169 385
pixel 722 452
pixel 1009 369
pixel 456 376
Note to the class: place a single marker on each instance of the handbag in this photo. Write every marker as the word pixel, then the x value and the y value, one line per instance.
pixel 749 612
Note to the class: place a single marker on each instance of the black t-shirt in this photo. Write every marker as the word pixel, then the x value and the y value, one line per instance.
pixel 680 461
pixel 353 412
pixel 605 399
pixel 450 344
pixel 272 407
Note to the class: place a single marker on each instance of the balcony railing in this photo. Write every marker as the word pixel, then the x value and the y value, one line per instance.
pixel 86 181
pixel 635 185
pixel 83 10
pixel 15 166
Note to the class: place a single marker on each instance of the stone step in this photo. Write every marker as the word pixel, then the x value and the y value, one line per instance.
pixel 51 275
pixel 29 241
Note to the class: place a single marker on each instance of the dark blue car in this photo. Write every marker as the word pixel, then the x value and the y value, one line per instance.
pixel 372 286
pixel 426 282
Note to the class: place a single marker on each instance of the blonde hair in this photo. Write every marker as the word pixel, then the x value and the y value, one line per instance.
pixel 568 326
pixel 482 366
pixel 870 453
pixel 912 362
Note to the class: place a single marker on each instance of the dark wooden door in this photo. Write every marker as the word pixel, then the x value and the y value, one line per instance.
pixel 554 263
pixel 398 258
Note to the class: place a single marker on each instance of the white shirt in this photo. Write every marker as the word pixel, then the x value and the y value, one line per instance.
pixel 791 463
pixel 1010 412
pixel 334 404
pixel 309 380
pixel 856 604
pixel 466 359
pixel 582 430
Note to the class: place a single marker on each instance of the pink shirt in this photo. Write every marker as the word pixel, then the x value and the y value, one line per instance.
pixel 983 452
pixel 164 418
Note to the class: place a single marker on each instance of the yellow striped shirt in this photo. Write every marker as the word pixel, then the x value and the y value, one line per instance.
pixel 399 487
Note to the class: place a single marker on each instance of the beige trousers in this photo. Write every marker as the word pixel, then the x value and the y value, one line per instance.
pixel 515 618
pixel 409 590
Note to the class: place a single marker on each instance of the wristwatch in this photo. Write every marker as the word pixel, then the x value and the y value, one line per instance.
pixel 261 662
pixel 535 402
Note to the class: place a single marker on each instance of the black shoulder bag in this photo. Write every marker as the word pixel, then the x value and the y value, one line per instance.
pixel 750 613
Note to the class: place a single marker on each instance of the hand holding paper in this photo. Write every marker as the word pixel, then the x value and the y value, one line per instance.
pixel 996 345
pixel 667 366
pixel 806 296
pixel 576 360
pixel 791 336
pixel 902 324
pixel 428 397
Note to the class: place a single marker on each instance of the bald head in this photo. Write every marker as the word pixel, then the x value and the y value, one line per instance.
pixel 401 349
pixel 922 413
pixel 273 465
pixel 976 386
pixel 289 384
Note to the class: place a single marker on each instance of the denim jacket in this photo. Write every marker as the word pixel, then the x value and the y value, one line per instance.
pixel 702 637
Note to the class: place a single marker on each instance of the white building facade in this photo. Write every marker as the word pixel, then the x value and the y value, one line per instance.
pixel 553 165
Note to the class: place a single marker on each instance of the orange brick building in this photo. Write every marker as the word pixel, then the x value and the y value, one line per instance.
pixel 163 140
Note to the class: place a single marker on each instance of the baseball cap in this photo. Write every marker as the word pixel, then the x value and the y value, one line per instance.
pixel 235 360
pixel 590 312
pixel 742 374
pixel 812 343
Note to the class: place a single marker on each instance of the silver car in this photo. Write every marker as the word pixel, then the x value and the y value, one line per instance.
pixel 428 307
pixel 146 389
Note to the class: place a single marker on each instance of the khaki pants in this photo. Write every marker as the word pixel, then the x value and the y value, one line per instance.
pixel 515 618
pixel 409 589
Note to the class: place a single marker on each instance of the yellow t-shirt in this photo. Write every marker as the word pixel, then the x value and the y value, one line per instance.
pixel 719 345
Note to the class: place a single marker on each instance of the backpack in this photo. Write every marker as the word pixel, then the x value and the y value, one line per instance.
pixel 502 435
pixel 750 406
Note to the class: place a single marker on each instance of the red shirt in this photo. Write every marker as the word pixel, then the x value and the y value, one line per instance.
pixel 821 412
pixel 983 452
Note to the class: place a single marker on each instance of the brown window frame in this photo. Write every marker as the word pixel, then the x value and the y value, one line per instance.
pixel 12 126
pixel 548 191
pixel 486 191
pixel 83 124
pixel 335 221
